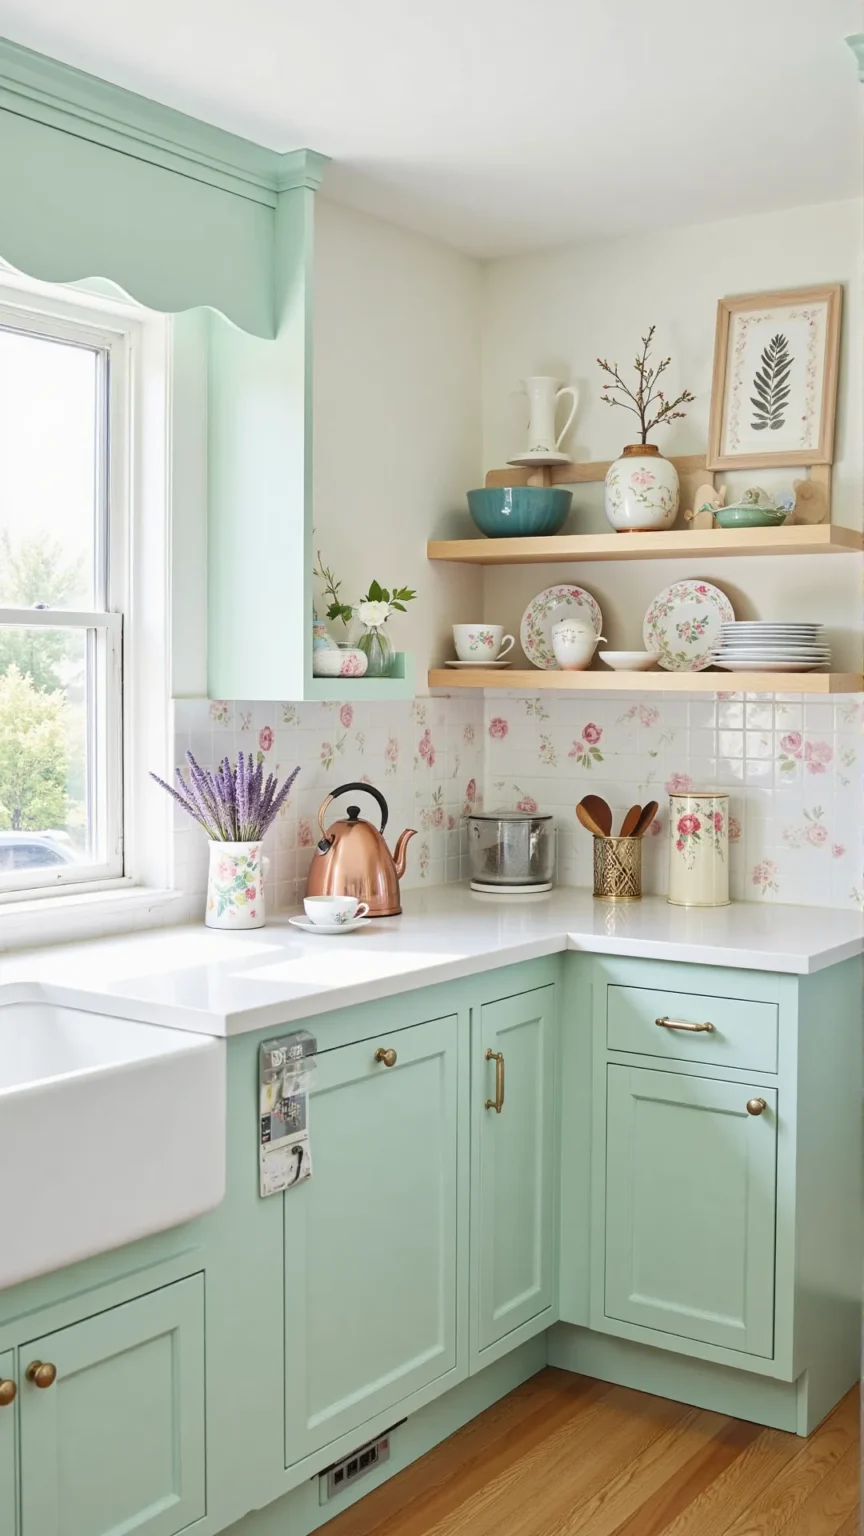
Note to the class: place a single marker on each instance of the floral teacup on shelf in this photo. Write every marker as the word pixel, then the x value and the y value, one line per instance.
pixel 481 642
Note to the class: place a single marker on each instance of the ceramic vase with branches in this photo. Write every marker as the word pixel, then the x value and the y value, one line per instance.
pixel 642 491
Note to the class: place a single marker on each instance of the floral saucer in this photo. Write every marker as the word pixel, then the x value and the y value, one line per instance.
pixel 546 609
pixel 684 625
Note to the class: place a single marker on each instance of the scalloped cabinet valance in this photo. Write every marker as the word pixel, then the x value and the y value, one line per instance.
pixel 98 182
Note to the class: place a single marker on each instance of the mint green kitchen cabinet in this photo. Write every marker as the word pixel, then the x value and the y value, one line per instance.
pixel 371 1278
pixel 691 1206
pixel 8 1421
pixel 514 1168
pixel 114 1444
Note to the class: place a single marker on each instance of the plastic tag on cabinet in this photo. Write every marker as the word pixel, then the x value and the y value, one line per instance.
pixel 285 1069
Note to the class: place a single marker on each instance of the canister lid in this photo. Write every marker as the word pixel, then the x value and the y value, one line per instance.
pixel 510 816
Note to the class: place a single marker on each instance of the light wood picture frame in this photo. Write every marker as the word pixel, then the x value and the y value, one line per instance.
pixel 776 357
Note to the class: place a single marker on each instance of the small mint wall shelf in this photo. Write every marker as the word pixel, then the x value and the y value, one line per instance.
pixel 399 685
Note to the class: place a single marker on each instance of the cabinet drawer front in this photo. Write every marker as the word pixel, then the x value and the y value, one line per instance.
pixel 690 1207
pixel 116 1445
pixel 370 1239
pixel 742 1034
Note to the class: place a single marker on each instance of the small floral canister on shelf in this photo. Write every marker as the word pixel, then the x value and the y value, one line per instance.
pixel 699 849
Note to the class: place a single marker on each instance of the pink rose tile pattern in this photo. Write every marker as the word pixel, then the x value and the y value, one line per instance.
pixel 796 823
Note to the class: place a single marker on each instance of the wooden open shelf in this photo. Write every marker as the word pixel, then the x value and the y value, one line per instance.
pixel 533 680
pixel 803 539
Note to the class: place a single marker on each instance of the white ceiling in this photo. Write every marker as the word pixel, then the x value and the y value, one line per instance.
pixel 501 125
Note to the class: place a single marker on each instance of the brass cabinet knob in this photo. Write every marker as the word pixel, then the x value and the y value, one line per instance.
pixel 756 1106
pixel 41 1375
pixel 8 1393
pixel 387 1056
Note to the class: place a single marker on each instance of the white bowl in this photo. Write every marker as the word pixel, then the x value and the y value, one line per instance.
pixel 629 661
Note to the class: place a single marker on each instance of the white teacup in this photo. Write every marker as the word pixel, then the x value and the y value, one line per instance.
pixel 336 910
pixel 481 642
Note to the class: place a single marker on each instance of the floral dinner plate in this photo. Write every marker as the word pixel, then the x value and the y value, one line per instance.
pixel 684 625
pixel 546 609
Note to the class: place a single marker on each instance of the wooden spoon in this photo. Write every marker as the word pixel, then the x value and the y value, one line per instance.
pixel 646 816
pixel 630 821
pixel 588 821
pixel 600 813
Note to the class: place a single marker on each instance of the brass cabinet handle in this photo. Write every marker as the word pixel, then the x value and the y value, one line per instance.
pixel 387 1056
pixel 41 1375
pixel 756 1106
pixel 8 1393
pixel 498 1102
pixel 693 1029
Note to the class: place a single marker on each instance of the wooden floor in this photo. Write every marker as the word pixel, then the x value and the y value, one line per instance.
pixel 567 1456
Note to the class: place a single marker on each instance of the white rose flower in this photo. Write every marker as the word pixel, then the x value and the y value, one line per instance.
pixel 373 613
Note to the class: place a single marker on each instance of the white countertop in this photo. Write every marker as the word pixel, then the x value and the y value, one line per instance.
pixel 226 984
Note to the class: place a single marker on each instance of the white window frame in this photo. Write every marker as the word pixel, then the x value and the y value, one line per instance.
pixel 131 633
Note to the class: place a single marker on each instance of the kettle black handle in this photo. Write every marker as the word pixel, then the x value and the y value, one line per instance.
pixel 368 789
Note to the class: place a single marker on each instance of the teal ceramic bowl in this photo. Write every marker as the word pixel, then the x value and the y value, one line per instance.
pixel 750 517
pixel 519 511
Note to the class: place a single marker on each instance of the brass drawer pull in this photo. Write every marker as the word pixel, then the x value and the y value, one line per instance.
pixel 498 1102
pixel 8 1393
pixel 692 1029
pixel 387 1056
pixel 756 1106
pixel 41 1375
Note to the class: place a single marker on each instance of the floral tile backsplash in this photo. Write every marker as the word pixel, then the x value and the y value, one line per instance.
pixel 425 757
pixel 792 766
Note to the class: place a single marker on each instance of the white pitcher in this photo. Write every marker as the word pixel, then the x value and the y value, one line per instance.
pixel 543 396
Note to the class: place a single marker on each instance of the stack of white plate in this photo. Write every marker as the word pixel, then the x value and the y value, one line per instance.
pixel 756 647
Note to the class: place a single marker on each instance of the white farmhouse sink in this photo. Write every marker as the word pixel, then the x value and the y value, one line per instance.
pixel 109 1130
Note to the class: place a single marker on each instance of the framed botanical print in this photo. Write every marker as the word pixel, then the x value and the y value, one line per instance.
pixel 774 391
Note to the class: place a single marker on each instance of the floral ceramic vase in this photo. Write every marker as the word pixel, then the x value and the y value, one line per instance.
pixel 235 888
pixel 377 647
pixel 699 849
pixel 641 490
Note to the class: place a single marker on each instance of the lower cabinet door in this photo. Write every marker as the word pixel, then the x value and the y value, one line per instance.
pixel 690 1207
pixel 370 1239
pixel 8 1418
pixel 114 1446
pixel 513 1192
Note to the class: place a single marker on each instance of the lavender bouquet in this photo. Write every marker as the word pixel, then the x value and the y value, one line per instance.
pixel 233 805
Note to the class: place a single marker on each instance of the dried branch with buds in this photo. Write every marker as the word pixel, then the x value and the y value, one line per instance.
pixel 646 393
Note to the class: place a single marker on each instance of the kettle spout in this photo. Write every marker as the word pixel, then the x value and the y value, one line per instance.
pixel 399 855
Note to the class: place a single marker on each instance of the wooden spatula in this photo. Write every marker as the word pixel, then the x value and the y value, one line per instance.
pixel 588 822
pixel 630 821
pixel 646 816
pixel 600 813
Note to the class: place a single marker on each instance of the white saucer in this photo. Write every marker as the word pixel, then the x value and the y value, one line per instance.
pixel 331 928
pixel 482 664
pixel 532 460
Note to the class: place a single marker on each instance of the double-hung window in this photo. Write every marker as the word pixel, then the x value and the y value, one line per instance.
pixel 64 498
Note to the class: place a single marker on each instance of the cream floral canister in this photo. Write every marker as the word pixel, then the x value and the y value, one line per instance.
pixel 699 849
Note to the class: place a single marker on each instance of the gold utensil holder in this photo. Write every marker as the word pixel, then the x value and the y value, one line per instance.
pixel 618 868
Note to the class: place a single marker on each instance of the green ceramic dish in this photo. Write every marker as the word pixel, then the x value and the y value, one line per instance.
pixel 750 517
pixel 519 511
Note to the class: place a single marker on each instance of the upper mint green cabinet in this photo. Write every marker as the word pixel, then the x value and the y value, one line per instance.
pixel 513 1187
pixel 116 1445
pixel 690 1207
pixel 8 1419
pixel 370 1239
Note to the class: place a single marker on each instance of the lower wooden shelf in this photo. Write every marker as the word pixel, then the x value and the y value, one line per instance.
pixel 533 680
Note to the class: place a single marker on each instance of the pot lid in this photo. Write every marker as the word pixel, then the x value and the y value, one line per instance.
pixel 510 816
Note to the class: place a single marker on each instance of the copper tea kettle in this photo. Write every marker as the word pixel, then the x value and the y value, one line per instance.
pixel 352 858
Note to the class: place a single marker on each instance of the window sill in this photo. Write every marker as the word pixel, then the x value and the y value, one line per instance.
pixel 79 914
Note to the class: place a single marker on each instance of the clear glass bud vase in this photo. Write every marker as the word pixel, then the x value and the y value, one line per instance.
pixel 377 647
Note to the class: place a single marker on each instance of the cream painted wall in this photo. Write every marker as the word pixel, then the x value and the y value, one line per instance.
pixel 557 311
pixel 397 422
